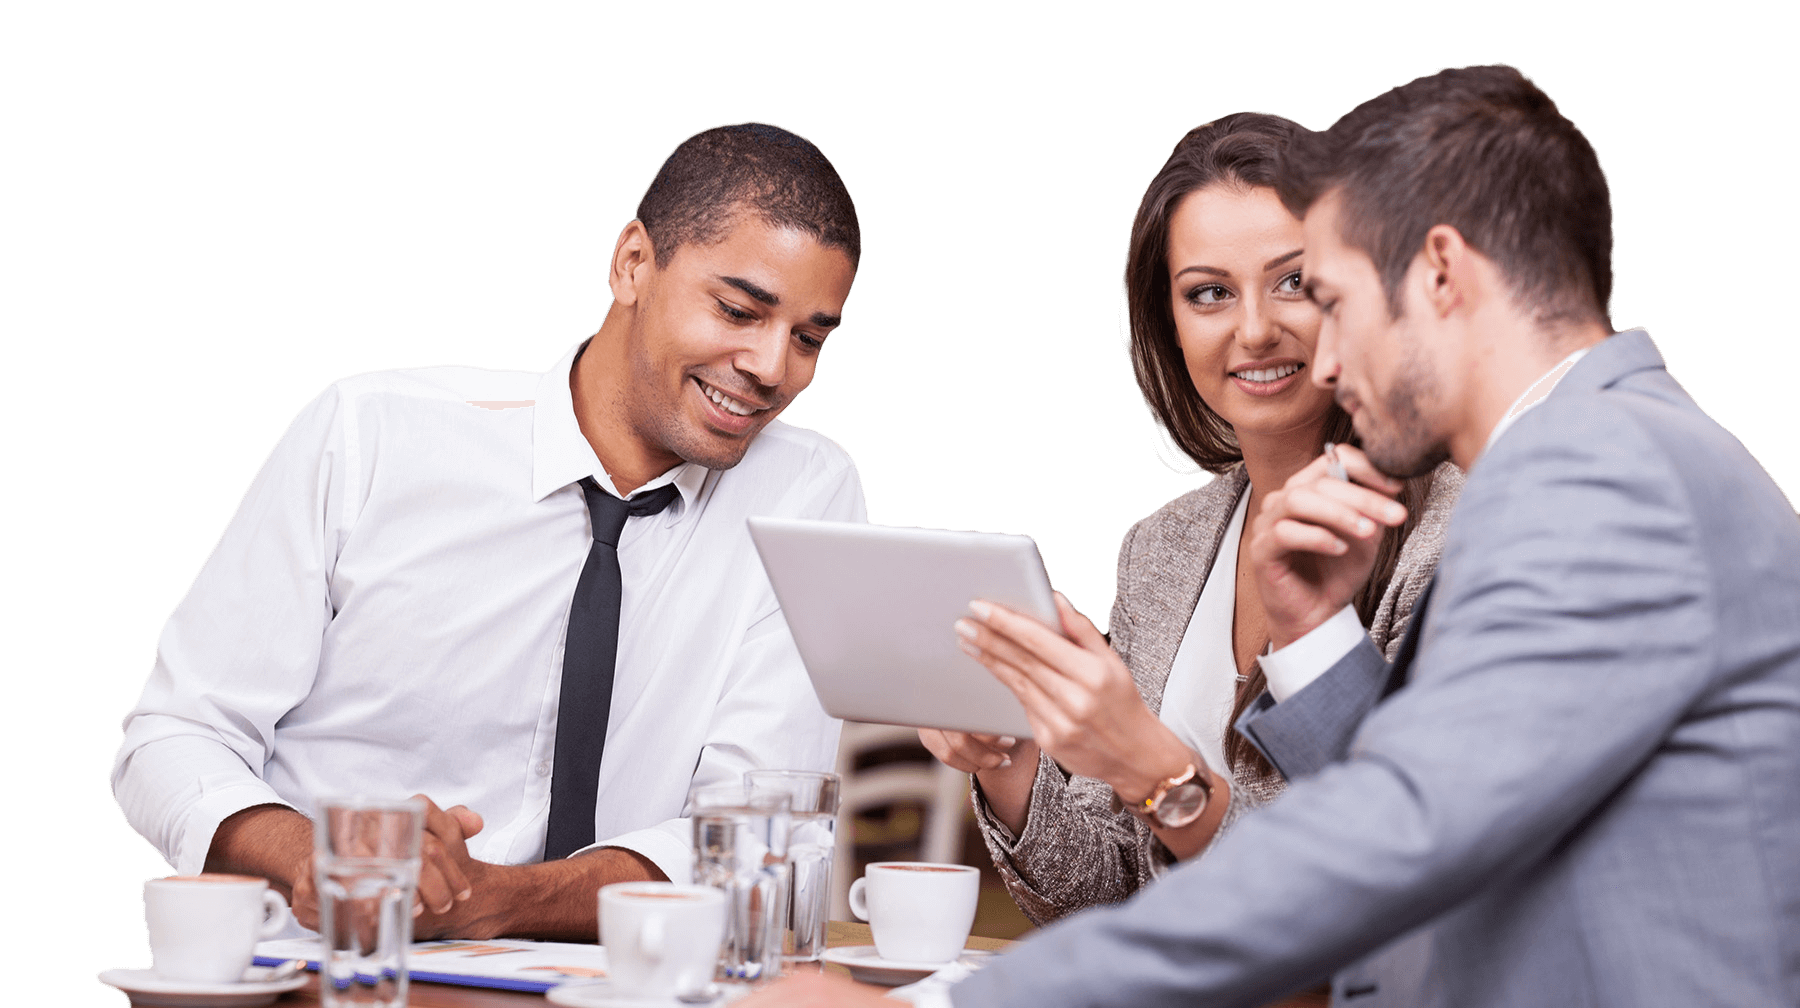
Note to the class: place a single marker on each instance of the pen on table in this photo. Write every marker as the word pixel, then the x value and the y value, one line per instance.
pixel 1333 464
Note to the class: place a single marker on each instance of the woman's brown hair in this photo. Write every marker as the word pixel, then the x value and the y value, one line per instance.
pixel 1242 149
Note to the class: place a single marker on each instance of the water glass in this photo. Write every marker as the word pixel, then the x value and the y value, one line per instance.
pixel 366 862
pixel 812 844
pixel 740 847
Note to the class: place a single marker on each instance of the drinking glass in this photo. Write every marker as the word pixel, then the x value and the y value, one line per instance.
pixel 366 862
pixel 812 842
pixel 740 846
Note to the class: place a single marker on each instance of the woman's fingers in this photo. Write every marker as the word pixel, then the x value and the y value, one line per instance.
pixel 1047 718
pixel 1079 628
pixel 1050 650
pixel 1062 686
pixel 966 751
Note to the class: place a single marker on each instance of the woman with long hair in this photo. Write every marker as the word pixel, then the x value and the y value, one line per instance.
pixel 1144 769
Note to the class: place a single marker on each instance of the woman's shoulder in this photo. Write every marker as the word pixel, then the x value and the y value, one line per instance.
pixel 1418 559
pixel 1426 543
pixel 1203 509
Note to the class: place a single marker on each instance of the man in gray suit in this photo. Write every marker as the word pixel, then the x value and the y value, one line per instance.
pixel 1579 782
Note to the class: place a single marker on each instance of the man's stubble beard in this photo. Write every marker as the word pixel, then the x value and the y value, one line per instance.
pixel 1408 447
pixel 662 424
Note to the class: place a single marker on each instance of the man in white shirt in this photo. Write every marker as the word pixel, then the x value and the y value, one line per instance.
pixel 1575 783
pixel 387 612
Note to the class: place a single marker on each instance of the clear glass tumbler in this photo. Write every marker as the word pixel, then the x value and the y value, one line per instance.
pixel 740 846
pixel 366 860
pixel 812 843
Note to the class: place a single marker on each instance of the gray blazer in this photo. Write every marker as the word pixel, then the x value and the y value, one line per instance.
pixel 1579 785
pixel 1076 851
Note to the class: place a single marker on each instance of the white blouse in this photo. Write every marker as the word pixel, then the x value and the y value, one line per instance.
pixel 1202 686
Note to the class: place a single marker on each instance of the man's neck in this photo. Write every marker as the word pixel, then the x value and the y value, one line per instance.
pixel 1513 358
pixel 599 386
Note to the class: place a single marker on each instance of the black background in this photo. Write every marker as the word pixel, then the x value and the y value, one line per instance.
pixel 245 240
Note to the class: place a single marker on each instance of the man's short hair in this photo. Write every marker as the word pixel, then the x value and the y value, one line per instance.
pixel 1482 150
pixel 765 170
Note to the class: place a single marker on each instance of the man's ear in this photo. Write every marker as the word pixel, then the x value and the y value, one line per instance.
pixel 1446 271
pixel 633 262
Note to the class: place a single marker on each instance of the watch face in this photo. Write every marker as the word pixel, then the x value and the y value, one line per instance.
pixel 1182 804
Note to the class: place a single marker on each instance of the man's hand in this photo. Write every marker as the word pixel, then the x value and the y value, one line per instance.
pixel 458 896
pixel 1313 543
pixel 549 901
pixel 445 867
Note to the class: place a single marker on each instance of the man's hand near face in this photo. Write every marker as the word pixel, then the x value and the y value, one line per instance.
pixel 1313 544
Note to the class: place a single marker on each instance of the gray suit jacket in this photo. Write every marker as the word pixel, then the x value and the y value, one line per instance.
pixel 1582 787
pixel 1076 850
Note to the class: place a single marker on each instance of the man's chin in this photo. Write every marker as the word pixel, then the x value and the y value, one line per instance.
pixel 1405 461
pixel 715 451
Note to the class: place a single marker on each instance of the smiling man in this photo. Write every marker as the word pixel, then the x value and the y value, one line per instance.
pixel 530 598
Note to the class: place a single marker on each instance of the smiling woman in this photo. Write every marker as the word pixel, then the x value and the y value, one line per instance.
pixel 1244 326
pixel 1134 764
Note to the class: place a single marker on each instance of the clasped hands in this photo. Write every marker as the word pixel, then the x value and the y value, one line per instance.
pixel 448 898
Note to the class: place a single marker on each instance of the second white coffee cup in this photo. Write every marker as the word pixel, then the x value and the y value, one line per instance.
pixel 662 939
pixel 203 928
pixel 917 911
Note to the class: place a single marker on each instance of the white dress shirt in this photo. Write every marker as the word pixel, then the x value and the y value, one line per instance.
pixel 386 612
pixel 1202 686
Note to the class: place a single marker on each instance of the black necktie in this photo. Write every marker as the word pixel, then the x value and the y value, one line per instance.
pixel 587 678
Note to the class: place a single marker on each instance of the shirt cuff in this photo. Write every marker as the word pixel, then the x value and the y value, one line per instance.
pixel 1294 667
pixel 215 807
pixel 668 845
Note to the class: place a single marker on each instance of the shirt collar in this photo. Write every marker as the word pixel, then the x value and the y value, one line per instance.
pixel 560 455
pixel 1536 393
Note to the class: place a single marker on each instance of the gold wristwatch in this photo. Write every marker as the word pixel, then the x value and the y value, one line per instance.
pixel 1175 802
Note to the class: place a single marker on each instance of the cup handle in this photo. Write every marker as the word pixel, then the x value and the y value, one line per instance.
pixel 858 904
pixel 275 915
pixel 650 938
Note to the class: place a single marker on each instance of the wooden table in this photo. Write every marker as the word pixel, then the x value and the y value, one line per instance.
pixel 837 933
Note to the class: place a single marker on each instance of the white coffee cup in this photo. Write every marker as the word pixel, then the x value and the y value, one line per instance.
pixel 204 928
pixel 918 912
pixel 662 939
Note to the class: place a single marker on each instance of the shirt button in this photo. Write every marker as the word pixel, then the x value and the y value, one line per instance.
pixel 543 768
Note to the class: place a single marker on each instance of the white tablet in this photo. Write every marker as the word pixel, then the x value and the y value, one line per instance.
pixel 871 608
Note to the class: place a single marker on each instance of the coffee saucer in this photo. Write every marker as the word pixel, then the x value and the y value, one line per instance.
pixel 866 965
pixel 600 994
pixel 144 987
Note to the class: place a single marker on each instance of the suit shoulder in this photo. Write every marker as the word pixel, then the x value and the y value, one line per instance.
pixel 1640 440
